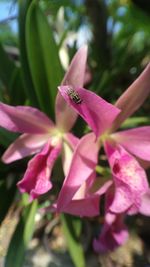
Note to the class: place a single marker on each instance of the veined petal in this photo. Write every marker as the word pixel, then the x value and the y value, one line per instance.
pixel 36 178
pixel 24 119
pixel 129 178
pixel 65 116
pixel 136 141
pixel 24 145
pixel 82 166
pixel 133 97
pixel 98 113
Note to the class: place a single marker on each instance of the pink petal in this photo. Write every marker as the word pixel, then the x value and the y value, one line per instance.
pixel 65 116
pixel 133 97
pixel 112 236
pixel 129 178
pixel 72 140
pixel 82 166
pixel 24 145
pixel 36 178
pixel 84 202
pixel 88 207
pixel 24 119
pixel 98 113
pixel 145 204
pixel 69 144
pixel 136 141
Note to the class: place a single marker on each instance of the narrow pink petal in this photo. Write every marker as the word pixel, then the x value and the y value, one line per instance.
pixel 136 141
pixel 36 178
pixel 129 178
pixel 65 116
pixel 82 166
pixel 133 97
pixel 69 144
pixel 145 204
pixel 24 119
pixel 98 113
pixel 24 145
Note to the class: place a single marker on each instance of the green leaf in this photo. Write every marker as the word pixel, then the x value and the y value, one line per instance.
pixel 6 137
pixel 43 58
pixel 17 93
pixel 26 75
pixel 21 237
pixel 6 67
pixel 72 227
pixel 135 121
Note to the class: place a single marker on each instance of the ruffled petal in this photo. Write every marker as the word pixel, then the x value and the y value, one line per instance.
pixel 98 113
pixel 65 116
pixel 129 178
pixel 24 119
pixel 133 97
pixel 36 178
pixel 136 141
pixel 25 145
pixel 82 166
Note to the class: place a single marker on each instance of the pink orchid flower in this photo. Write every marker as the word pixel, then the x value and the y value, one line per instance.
pixel 129 177
pixel 41 136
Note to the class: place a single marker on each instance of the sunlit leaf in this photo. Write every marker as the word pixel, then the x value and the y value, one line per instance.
pixel 72 230
pixel 43 58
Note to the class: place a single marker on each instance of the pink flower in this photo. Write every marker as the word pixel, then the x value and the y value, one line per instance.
pixel 114 232
pixel 129 178
pixel 41 136
pixel 112 235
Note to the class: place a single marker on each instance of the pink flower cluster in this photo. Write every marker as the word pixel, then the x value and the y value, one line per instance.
pixel 126 188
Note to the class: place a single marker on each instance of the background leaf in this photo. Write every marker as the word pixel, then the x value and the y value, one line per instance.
pixel 43 58
pixel 25 70
pixel 72 227
pixel 21 237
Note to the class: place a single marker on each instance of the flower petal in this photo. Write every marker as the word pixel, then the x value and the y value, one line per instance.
pixel 98 113
pixel 145 204
pixel 36 178
pixel 129 178
pixel 85 202
pixel 69 144
pixel 24 145
pixel 133 97
pixel 112 236
pixel 65 116
pixel 24 119
pixel 82 166
pixel 136 141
